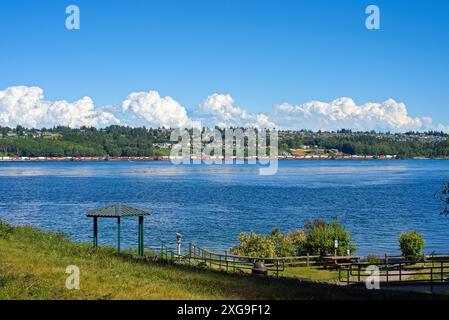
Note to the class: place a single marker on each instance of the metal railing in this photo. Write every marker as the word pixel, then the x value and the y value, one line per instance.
pixel 432 270
pixel 393 270
pixel 237 263
pixel 226 261
pixel 231 262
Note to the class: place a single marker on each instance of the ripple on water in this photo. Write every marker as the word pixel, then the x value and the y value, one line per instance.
pixel 211 205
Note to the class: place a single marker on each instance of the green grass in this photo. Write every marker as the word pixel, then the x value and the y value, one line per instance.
pixel 313 273
pixel 33 263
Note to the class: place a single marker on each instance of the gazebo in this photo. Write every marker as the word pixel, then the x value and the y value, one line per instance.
pixel 118 211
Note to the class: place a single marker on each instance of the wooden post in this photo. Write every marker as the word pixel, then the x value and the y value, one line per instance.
pixel 431 279
pixel 277 268
pixel 308 259
pixel 226 260
pixel 95 232
pixel 388 280
pixel 358 273
pixel 190 252
pixel 118 234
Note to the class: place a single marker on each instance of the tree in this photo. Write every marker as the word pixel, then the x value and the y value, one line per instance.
pixel 444 197
pixel 322 234
pixel 254 245
pixel 298 239
pixel 283 246
pixel 275 244
pixel 411 244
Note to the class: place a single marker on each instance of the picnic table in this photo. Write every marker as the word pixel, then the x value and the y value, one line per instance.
pixel 339 261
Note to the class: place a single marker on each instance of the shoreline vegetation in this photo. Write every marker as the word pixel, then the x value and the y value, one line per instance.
pixel 168 158
pixel 33 266
pixel 125 143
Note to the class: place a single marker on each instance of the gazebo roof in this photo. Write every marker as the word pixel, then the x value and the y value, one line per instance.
pixel 117 211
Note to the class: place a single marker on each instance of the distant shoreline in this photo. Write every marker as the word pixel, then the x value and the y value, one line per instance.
pixel 149 159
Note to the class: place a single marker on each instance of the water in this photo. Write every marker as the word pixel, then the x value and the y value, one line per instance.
pixel 211 205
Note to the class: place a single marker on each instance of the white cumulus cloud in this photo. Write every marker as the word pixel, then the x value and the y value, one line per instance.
pixel 26 106
pixel 345 113
pixel 342 113
pixel 151 109
pixel 222 112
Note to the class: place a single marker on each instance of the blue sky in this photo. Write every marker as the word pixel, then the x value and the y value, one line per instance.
pixel 262 53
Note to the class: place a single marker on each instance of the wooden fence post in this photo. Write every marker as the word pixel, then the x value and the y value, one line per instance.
pixel 190 253
pixel 358 273
pixel 277 268
pixel 431 279
pixel 226 260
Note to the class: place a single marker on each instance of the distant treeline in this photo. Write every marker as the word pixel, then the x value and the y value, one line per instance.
pixel 126 141
pixel 67 142
pixel 404 145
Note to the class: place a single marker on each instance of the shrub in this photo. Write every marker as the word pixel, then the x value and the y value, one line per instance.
pixel 318 239
pixel 255 245
pixel 412 244
pixel 276 244
pixel 5 229
pixel 298 239
pixel 283 246
pixel 321 235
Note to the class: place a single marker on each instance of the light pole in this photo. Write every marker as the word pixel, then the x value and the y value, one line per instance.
pixel 178 241
pixel 336 246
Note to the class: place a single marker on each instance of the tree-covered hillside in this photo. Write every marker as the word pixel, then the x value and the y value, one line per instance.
pixel 63 141
pixel 126 141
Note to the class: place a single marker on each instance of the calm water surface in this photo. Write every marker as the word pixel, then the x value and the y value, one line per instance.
pixel 211 205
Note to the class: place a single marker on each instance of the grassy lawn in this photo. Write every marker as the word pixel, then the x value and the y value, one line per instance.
pixel 33 263
pixel 312 273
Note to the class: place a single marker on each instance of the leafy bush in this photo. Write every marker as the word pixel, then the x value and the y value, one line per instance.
pixel 298 239
pixel 276 244
pixel 412 244
pixel 255 245
pixel 5 230
pixel 283 247
pixel 318 239
pixel 321 235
